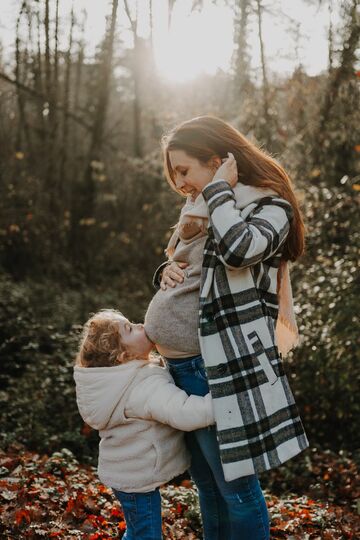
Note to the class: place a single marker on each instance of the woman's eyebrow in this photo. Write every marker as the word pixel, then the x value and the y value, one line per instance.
pixel 180 167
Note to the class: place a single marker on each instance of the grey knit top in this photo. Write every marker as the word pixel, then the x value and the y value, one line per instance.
pixel 172 318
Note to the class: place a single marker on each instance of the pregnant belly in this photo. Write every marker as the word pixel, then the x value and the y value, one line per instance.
pixel 172 318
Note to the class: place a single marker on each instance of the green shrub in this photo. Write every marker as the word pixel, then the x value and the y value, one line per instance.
pixel 39 324
pixel 38 344
pixel 325 369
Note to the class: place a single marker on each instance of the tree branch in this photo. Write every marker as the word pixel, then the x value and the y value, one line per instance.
pixel 41 97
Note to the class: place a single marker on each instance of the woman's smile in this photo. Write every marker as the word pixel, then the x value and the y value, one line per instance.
pixel 190 175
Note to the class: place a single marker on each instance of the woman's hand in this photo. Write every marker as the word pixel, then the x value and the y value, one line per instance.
pixel 228 171
pixel 173 274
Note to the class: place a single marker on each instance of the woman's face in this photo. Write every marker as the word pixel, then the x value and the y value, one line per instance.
pixel 190 175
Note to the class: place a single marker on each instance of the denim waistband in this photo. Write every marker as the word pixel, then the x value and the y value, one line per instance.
pixel 178 361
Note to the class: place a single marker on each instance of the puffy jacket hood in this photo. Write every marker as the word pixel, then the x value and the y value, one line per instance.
pixel 101 392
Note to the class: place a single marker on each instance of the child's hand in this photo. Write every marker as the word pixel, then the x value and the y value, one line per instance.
pixel 191 227
pixel 189 230
pixel 228 171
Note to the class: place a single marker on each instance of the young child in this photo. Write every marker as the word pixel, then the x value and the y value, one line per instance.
pixel 140 415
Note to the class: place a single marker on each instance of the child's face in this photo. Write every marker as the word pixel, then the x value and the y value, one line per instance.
pixel 134 339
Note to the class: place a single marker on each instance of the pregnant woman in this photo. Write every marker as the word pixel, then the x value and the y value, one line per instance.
pixel 223 316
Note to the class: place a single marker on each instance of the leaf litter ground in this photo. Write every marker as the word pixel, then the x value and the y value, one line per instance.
pixel 56 497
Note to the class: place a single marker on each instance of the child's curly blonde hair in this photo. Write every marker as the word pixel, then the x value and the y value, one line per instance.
pixel 100 344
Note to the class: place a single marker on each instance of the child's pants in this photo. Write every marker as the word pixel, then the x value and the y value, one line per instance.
pixel 142 512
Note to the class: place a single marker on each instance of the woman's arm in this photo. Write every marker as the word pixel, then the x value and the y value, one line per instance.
pixel 240 243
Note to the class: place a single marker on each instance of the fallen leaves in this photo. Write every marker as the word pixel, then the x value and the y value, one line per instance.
pixel 56 497
pixel 301 517
pixel 319 474
pixel 22 515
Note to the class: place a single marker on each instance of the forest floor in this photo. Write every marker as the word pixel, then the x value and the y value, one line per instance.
pixel 56 497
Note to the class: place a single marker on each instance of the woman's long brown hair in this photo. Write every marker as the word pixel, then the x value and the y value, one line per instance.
pixel 206 137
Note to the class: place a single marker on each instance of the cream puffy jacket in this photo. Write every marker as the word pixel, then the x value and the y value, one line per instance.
pixel 139 411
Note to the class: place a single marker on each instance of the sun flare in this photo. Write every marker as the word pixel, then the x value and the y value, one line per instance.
pixel 200 40
pixel 197 42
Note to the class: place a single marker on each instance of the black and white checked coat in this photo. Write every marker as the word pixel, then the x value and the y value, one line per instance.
pixel 258 424
pixel 257 420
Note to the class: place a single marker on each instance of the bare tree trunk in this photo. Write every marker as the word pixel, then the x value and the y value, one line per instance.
pixel 30 44
pixel 77 91
pixel 47 51
pixel 53 116
pixel 83 199
pixel 104 86
pixel 341 94
pixel 38 78
pixel 23 126
pixel 39 56
pixel 66 105
pixel 51 78
pixel 51 122
pixel 155 90
pixel 56 55
pixel 330 39
pixel 242 56
pixel 346 68
pixel 151 19
pixel 137 107
pixel 266 90
pixel 18 143
pixel 79 63
pixel 137 103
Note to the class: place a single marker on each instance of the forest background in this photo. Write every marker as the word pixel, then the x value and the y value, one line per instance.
pixel 85 211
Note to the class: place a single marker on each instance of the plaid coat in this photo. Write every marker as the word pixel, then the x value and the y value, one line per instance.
pixel 258 424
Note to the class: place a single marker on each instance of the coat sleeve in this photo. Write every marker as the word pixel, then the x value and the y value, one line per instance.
pixel 240 243
pixel 160 400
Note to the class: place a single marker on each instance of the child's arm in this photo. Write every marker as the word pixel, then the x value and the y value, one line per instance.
pixel 157 398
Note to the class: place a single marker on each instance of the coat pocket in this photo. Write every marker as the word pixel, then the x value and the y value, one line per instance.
pixel 263 359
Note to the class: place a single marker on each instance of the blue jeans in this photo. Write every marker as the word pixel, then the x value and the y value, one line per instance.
pixel 233 510
pixel 142 512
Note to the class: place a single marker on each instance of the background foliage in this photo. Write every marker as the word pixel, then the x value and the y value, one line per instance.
pixel 85 212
